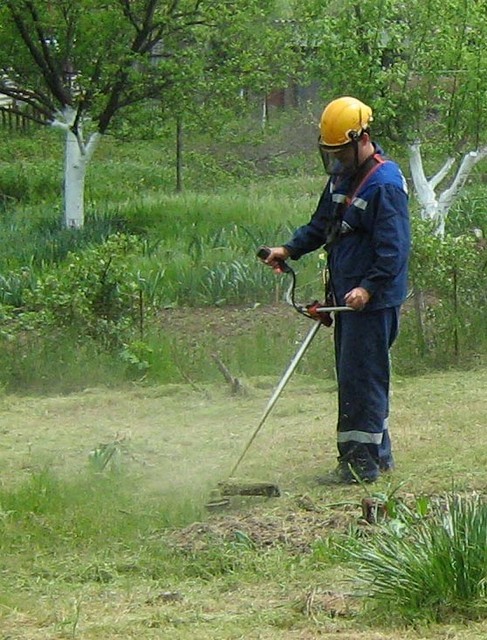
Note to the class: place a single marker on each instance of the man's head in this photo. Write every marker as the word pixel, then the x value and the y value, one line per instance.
pixel 344 133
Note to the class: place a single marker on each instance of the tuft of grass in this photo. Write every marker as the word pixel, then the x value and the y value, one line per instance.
pixel 434 569
pixel 84 511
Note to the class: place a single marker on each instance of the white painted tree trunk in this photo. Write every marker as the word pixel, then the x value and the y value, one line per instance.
pixel 77 157
pixel 434 207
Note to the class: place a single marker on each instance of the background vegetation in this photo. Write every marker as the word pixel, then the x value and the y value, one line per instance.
pixel 85 306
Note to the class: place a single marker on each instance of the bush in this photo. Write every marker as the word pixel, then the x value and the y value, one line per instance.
pixel 446 322
pixel 92 294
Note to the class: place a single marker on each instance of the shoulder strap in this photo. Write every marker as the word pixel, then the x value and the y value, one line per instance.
pixel 333 230
pixel 369 167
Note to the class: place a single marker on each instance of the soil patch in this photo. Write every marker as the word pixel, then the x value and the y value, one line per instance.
pixel 225 321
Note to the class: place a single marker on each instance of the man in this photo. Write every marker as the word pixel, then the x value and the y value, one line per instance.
pixel 362 221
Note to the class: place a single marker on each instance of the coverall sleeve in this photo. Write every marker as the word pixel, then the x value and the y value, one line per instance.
pixel 312 235
pixel 390 237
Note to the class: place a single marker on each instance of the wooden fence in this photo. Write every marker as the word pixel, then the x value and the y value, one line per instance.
pixel 13 119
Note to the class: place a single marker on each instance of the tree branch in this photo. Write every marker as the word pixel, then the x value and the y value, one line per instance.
pixel 433 208
pixel 41 36
pixel 42 56
pixel 75 128
pixel 442 173
pixel 448 196
pixel 424 191
pixel 113 103
pixel 127 12
pixel 140 45
pixel 37 100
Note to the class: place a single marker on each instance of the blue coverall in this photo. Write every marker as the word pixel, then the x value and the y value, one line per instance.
pixel 365 230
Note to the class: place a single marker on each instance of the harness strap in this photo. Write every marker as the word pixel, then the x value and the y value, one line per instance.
pixel 366 170
pixel 378 162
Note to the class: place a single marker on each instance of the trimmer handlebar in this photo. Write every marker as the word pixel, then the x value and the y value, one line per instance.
pixel 315 310
pixel 263 253
pixel 334 309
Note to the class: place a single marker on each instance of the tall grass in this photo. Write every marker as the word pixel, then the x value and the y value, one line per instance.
pixel 59 364
pixel 433 570
pixel 198 250
pixel 264 350
pixel 84 511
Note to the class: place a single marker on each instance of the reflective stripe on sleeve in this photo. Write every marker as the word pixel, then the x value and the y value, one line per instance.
pixel 360 203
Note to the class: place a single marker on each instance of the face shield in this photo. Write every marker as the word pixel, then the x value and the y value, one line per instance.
pixel 340 161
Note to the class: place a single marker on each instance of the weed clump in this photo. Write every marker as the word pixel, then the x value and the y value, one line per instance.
pixel 433 567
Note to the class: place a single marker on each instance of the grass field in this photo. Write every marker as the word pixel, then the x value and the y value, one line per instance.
pixel 130 552
pixel 104 532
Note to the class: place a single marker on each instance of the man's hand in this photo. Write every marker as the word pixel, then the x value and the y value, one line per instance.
pixel 357 298
pixel 276 254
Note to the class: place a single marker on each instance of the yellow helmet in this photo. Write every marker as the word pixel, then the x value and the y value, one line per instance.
pixel 343 121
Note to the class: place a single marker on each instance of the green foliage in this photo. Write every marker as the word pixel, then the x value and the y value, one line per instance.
pixel 64 320
pixel 22 177
pixel 448 278
pixel 32 245
pixel 433 569
pixel 90 293
pixel 190 62
pixel 28 182
pixel 424 82
pixel 76 313
pixel 468 213
pixel 100 299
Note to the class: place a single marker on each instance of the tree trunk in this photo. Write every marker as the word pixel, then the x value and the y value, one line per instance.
pixel 74 183
pixel 76 160
pixel 433 207
pixel 179 155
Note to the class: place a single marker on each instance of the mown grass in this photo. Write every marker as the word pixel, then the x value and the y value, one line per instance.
pixel 131 551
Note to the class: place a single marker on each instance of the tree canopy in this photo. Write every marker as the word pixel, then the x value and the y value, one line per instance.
pixel 78 63
pixel 421 64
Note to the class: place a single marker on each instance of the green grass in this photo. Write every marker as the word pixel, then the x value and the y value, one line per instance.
pixel 131 552
pixel 434 568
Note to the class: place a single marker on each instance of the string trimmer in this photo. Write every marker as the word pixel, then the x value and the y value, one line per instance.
pixel 322 315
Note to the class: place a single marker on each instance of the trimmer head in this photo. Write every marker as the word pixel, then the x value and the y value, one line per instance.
pixel 220 498
pixel 215 504
pixel 234 488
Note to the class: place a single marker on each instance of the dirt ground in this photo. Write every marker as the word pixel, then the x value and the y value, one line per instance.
pixel 228 321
